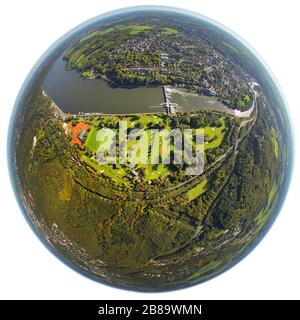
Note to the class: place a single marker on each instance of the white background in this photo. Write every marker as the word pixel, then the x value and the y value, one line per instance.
pixel 28 270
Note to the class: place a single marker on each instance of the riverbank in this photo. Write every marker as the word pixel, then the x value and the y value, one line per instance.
pixel 190 102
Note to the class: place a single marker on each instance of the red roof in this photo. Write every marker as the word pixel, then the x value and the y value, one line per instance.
pixel 75 131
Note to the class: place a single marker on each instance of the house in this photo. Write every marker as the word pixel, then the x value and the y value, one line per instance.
pixel 82 134
pixel 164 56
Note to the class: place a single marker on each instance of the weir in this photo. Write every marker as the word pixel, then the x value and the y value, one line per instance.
pixel 170 108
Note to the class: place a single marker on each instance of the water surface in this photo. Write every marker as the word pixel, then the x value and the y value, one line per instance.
pixel 75 94
pixel 190 102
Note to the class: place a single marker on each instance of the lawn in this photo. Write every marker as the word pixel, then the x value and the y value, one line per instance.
pixel 143 119
pixel 203 269
pixel 211 132
pixel 80 59
pixel 169 31
pixel 151 171
pixel 132 30
pixel 231 47
pixel 136 30
pixel 197 191
pixel 91 141
pixel 155 171
pixel 214 143
pixel 263 215
pixel 88 74
pixel 116 174
pixel 104 140
pixel 100 33
pixel 214 135
pixel 275 143
pixel 213 138
pixel 91 162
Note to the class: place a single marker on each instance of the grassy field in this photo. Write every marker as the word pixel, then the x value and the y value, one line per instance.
pixel 148 172
pixel 263 214
pixel 91 162
pixel 132 30
pixel 151 171
pixel 91 141
pixel 116 174
pixel 154 172
pixel 275 143
pixel 169 31
pixel 214 143
pixel 100 33
pixel 88 74
pixel 136 30
pixel 104 138
pixel 197 191
pixel 231 47
pixel 214 135
pixel 80 60
pixel 202 269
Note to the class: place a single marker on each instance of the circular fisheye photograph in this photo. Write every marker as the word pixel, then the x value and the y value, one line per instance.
pixel 150 149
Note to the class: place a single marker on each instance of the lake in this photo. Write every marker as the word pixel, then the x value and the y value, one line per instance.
pixel 74 94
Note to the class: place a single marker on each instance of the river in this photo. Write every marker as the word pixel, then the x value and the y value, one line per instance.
pixel 190 102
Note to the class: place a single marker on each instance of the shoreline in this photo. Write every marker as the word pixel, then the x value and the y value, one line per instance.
pixel 197 101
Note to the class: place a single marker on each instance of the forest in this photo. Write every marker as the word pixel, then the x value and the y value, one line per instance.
pixel 176 223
